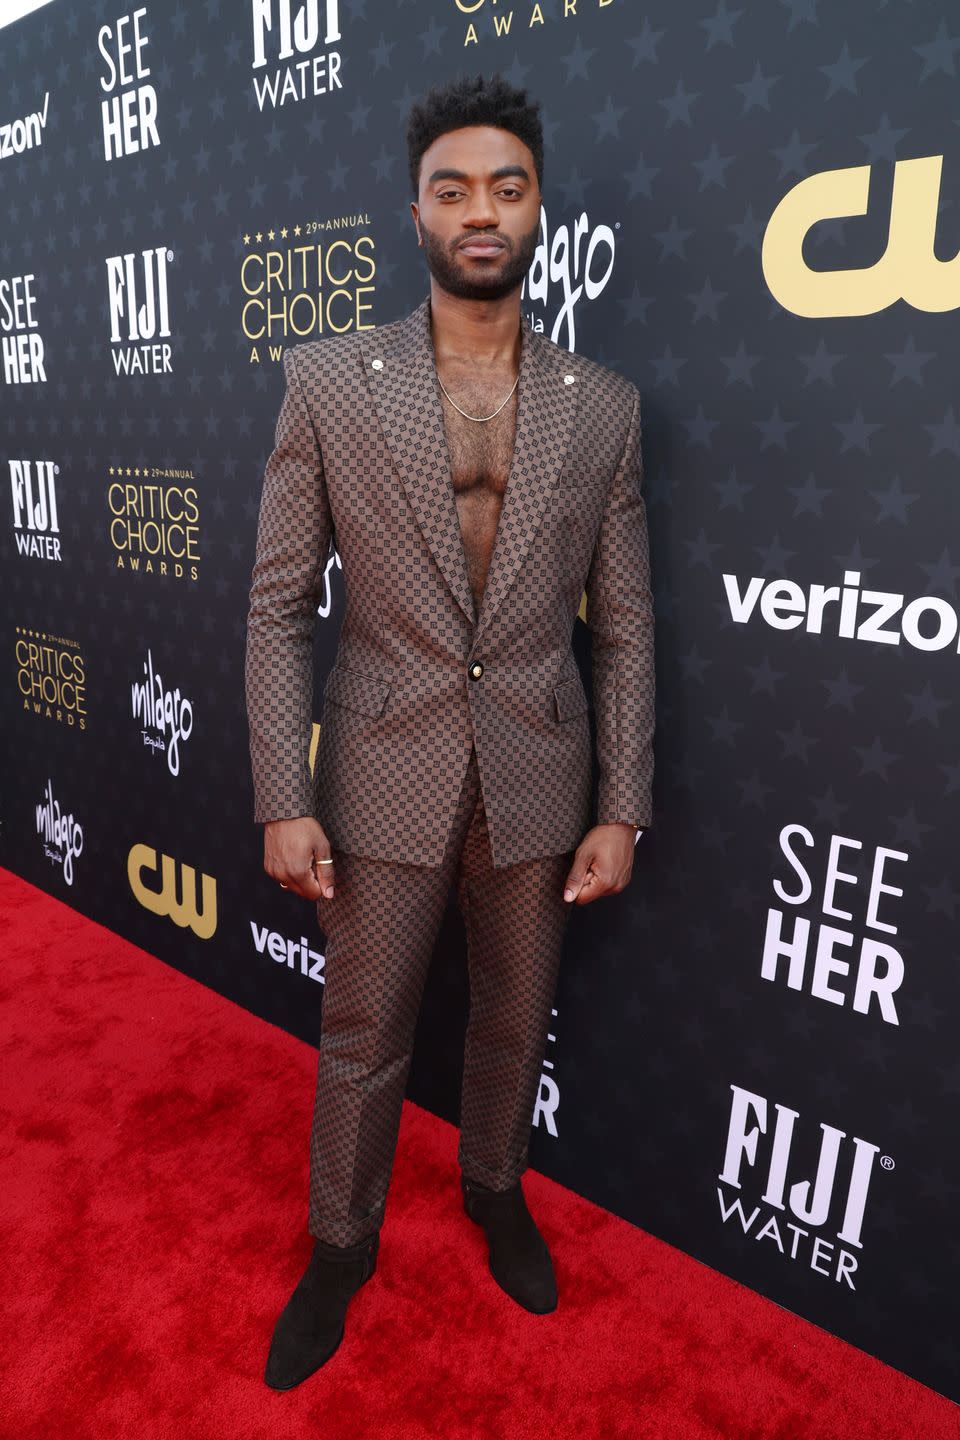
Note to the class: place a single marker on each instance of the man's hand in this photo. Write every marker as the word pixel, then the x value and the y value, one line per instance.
pixel 602 863
pixel 292 850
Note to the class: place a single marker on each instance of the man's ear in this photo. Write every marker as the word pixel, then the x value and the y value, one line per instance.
pixel 415 212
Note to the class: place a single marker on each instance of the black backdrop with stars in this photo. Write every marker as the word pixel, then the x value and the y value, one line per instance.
pixel 811 442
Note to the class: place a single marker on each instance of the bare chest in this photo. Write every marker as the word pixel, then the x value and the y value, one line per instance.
pixel 481 457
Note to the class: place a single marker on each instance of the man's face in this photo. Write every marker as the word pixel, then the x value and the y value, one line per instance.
pixel 478 211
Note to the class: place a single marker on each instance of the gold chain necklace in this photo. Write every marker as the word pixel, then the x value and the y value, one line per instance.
pixel 480 419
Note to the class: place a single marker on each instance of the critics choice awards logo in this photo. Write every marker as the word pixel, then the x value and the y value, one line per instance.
pixel 51 677
pixel 498 19
pixel 154 521
pixel 305 281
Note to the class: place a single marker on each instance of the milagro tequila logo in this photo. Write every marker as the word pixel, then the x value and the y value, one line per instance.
pixel 166 716
pixel 60 831
pixel 140 311
pixel 36 524
pixel 576 261
pixel 834 1200
pixel 282 32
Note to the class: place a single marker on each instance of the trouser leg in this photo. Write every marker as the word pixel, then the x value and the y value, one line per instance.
pixel 515 919
pixel 381 929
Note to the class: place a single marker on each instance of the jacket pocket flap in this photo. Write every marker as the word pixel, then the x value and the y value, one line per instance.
pixel 366 693
pixel 571 698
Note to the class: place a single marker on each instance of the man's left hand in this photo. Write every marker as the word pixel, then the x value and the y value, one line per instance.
pixel 602 863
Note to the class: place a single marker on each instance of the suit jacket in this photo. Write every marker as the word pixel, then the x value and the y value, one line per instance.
pixel 360 460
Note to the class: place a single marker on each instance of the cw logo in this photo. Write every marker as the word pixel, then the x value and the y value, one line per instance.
pixel 181 908
pixel 907 270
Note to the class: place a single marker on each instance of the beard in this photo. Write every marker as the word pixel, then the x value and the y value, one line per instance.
pixel 488 280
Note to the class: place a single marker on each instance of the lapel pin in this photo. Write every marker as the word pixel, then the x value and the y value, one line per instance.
pixel 569 379
pixel 376 364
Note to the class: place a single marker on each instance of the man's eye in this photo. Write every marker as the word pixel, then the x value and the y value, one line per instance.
pixel 510 192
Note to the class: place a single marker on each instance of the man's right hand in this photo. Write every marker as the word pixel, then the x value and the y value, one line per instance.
pixel 292 850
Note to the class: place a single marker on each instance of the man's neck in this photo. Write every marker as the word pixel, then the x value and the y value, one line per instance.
pixel 486 332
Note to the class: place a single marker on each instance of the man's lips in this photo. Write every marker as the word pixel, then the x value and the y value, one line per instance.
pixel 481 247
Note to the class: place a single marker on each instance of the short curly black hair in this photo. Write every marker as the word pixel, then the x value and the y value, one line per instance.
pixel 473 101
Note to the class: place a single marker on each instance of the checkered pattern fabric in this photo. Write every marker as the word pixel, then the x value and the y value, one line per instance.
pixel 381 928
pixel 360 462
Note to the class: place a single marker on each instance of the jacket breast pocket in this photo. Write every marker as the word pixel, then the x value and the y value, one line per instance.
pixel 570 698
pixel 356 690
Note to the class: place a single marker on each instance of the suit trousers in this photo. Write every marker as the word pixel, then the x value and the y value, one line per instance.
pixel 381 928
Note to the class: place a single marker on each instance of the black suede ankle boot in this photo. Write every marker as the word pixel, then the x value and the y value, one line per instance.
pixel 519 1259
pixel 311 1323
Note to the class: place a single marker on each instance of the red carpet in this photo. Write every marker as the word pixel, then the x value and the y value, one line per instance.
pixel 153 1225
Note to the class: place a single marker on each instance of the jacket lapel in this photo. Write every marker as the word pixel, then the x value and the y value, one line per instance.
pixel 407 399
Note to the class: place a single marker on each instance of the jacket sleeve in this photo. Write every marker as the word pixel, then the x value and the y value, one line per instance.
pixel 293 540
pixel 620 617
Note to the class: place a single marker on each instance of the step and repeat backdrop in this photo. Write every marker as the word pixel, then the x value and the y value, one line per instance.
pixel 752 213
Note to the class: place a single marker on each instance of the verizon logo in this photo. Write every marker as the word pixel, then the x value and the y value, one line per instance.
pixel 927 623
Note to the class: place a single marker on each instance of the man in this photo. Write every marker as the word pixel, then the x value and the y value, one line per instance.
pixel 476 479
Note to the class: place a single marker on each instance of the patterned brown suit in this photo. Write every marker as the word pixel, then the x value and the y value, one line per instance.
pixel 453 746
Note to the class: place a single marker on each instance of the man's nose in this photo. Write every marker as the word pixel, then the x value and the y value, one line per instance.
pixel 481 211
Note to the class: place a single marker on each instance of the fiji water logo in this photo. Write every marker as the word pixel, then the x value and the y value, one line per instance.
pixel 794 1206
pixel 138 296
pixel 33 492
pixel 295 42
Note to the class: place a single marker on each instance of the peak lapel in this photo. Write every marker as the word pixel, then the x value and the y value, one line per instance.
pixel 546 406
pixel 407 399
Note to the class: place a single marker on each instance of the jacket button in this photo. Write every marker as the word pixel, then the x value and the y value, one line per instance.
pixel 476 670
